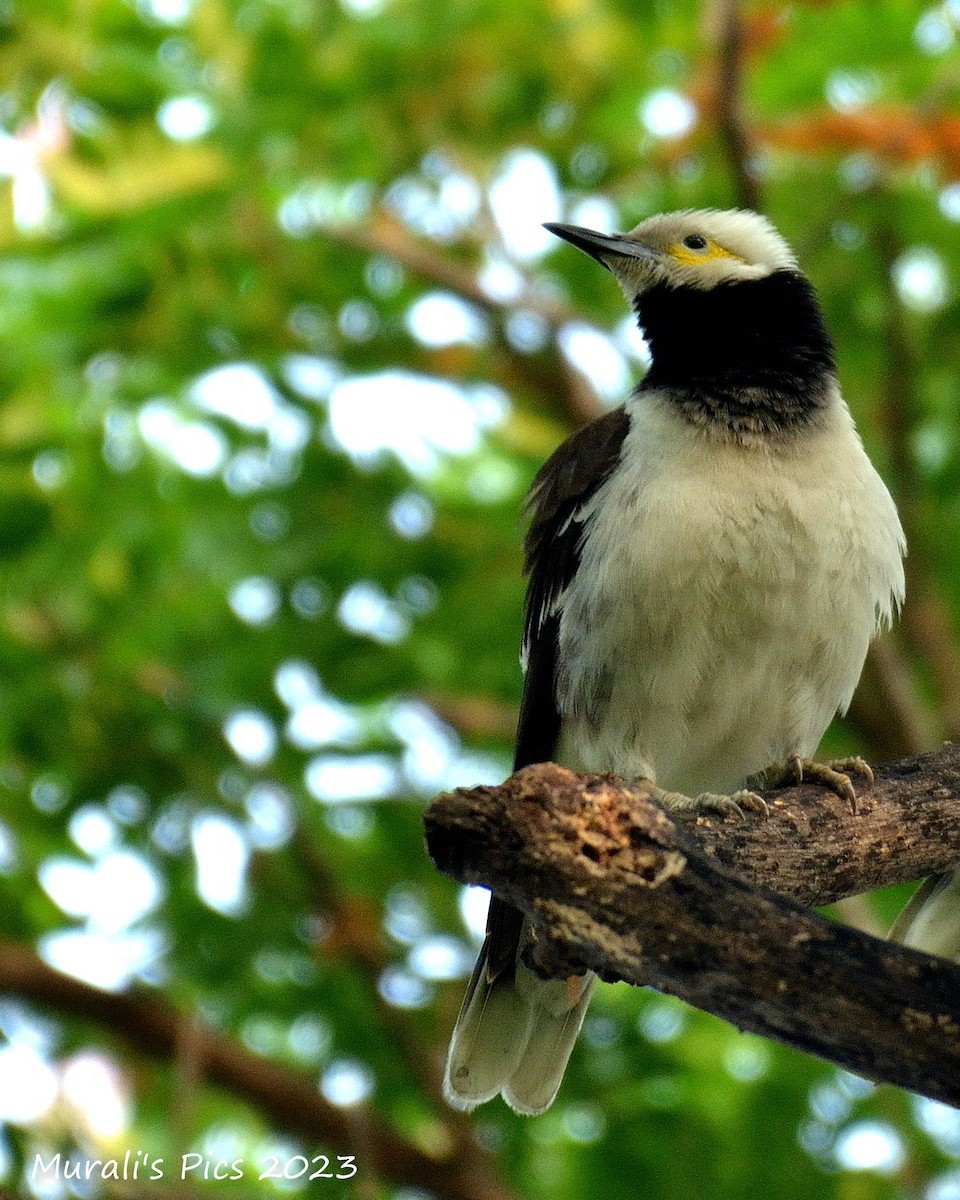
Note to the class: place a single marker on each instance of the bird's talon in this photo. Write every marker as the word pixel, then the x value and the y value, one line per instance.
pixel 753 801
pixel 723 805
pixel 713 802
pixel 854 763
pixel 833 775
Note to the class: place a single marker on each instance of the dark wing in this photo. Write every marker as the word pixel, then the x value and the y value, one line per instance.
pixel 566 481
pixel 552 548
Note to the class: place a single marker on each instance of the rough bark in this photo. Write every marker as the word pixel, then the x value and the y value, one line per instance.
pixel 707 908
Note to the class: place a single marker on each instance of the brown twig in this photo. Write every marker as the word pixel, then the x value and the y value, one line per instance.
pixel 188 1073
pixel 731 124
pixel 478 717
pixel 927 622
pixel 887 712
pixel 383 234
pixel 615 885
pixel 558 379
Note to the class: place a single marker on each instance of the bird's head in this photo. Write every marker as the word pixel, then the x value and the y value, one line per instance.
pixel 697 249
pixel 735 331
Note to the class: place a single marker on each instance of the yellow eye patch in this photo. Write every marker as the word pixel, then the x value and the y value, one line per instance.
pixel 693 258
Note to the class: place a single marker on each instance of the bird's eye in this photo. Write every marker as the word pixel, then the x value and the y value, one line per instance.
pixel 694 241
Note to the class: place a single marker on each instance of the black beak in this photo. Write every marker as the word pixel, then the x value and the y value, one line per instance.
pixel 601 245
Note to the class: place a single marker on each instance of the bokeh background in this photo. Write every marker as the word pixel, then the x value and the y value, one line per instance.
pixel 282 343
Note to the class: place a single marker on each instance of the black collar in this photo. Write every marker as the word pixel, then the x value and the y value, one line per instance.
pixel 751 357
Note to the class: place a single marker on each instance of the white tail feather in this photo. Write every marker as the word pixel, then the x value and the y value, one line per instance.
pixel 514 1036
pixel 930 920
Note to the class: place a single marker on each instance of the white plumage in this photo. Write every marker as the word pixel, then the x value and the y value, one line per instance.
pixel 738 588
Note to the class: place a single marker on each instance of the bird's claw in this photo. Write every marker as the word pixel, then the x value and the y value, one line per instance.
pixel 834 775
pixel 726 806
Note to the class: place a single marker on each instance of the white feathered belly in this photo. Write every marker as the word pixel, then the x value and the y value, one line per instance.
pixel 724 604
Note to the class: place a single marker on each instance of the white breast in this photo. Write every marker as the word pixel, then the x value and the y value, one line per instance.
pixel 724 602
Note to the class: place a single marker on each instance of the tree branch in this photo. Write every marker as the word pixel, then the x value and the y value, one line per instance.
pixel 563 383
pixel 927 620
pixel 887 711
pixel 731 124
pixel 157 1029
pixel 612 883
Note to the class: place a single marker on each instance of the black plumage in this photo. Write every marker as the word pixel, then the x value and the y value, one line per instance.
pixel 753 356
pixel 552 546
pixel 565 483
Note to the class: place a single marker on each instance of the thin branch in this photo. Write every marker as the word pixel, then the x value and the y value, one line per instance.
pixel 382 234
pixel 562 382
pixel 887 712
pixel 188 1081
pixel 474 716
pixel 731 124
pixel 927 621
pixel 286 1098
pixel 613 884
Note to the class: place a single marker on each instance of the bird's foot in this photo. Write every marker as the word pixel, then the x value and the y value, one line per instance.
pixel 726 806
pixel 834 775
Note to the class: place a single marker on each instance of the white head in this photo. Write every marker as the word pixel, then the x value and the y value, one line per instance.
pixel 694 248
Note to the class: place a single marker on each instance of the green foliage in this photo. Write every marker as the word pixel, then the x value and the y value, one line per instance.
pixel 269 189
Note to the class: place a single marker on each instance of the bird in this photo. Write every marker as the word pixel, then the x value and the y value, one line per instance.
pixel 707 565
